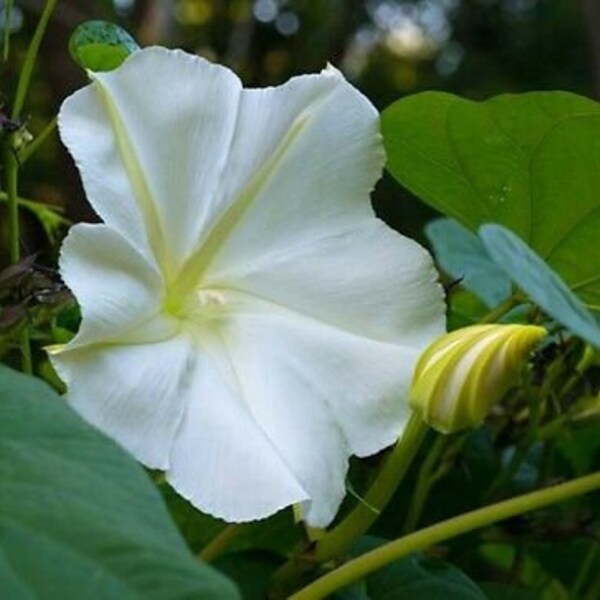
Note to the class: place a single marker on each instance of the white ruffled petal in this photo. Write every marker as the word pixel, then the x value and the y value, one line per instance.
pixel 221 459
pixel 368 280
pixel 303 160
pixel 118 290
pixel 260 325
pixel 135 393
pixel 290 400
pixel 151 140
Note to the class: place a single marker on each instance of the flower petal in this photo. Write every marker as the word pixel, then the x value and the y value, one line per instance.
pixel 368 280
pixel 317 394
pixel 135 394
pixel 307 237
pixel 221 460
pixel 118 290
pixel 151 140
pixel 303 160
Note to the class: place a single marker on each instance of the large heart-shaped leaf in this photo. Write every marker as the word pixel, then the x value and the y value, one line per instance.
pixel 529 162
pixel 78 517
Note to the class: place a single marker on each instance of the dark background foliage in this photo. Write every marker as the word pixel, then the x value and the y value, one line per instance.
pixel 388 48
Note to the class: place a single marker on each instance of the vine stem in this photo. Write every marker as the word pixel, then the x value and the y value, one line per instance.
pixel 30 58
pixel 431 471
pixel 11 179
pixel 31 148
pixel 425 538
pixel 336 541
pixel 8 7
pixel 501 310
pixel 11 164
pixel 219 544
pixel 11 174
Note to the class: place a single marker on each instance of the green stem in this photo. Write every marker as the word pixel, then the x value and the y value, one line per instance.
pixel 11 166
pixel 11 182
pixel 534 401
pixel 31 148
pixel 501 310
pixel 425 538
pixel 340 538
pixel 428 476
pixel 11 174
pixel 30 58
pixel 37 208
pixel 584 570
pixel 8 6
pixel 219 544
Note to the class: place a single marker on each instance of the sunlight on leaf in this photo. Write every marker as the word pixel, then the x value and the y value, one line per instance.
pixel 529 162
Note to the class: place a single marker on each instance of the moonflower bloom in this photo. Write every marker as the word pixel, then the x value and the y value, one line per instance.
pixel 248 324
pixel 463 374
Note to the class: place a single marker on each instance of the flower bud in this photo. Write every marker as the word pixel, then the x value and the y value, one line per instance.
pixel 464 373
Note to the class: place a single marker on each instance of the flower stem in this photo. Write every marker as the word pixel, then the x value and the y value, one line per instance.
pixel 31 148
pixel 584 570
pixel 11 179
pixel 425 538
pixel 501 310
pixel 431 471
pixel 335 542
pixel 30 58
pixel 33 206
pixel 8 7
pixel 11 174
pixel 340 538
pixel 217 546
pixel 11 164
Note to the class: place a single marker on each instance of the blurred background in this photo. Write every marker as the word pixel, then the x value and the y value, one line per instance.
pixel 387 48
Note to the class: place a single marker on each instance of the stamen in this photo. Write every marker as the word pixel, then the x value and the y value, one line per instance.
pixel 210 297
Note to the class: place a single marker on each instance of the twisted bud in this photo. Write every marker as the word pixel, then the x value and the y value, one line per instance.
pixel 464 373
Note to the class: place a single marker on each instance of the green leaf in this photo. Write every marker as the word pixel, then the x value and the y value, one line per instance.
pixel 539 281
pixel 460 253
pixel 529 162
pixel 251 570
pixel 78 517
pixel 581 448
pixel 416 576
pixel 426 578
pixel 101 46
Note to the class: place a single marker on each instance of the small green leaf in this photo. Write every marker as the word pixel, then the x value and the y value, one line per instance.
pixel 462 255
pixel 79 518
pixel 423 577
pixel 539 281
pixel 101 46
pixel 416 576
pixel 530 162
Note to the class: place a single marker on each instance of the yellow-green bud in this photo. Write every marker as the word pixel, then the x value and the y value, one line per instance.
pixel 464 373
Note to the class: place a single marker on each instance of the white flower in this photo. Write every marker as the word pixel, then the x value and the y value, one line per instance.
pixel 248 324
